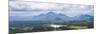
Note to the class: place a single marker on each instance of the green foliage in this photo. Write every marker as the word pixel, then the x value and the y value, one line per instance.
pixel 37 26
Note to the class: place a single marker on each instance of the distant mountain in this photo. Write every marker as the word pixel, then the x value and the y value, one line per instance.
pixel 51 16
pixel 87 17
pixel 83 17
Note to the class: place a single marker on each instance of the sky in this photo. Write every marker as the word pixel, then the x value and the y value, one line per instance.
pixel 27 8
pixel 88 2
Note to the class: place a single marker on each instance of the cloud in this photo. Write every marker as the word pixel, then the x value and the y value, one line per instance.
pixel 25 14
pixel 21 8
pixel 32 6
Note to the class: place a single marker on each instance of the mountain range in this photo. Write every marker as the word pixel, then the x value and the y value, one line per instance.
pixel 51 16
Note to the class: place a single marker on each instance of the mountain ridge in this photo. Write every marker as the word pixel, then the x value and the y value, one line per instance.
pixel 51 16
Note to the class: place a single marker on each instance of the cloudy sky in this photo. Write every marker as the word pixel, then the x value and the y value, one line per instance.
pixel 22 8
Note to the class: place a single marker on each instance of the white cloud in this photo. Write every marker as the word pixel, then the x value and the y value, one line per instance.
pixel 17 5
pixel 35 8
pixel 87 2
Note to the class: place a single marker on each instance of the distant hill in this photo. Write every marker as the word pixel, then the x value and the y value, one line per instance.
pixel 51 16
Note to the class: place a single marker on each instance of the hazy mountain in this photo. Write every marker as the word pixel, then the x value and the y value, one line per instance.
pixel 86 17
pixel 51 16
